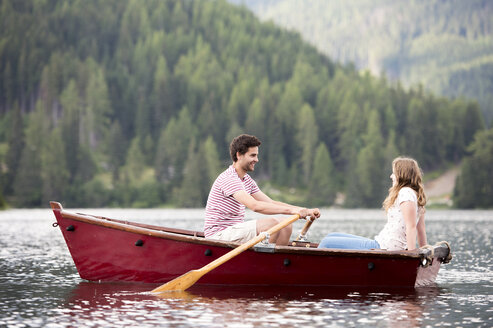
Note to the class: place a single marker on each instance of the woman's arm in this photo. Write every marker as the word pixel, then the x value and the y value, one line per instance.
pixel 408 210
pixel 421 228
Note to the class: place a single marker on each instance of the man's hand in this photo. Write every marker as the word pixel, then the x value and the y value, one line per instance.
pixel 315 214
pixel 312 212
pixel 304 212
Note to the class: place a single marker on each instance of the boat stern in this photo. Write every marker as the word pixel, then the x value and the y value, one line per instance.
pixel 431 259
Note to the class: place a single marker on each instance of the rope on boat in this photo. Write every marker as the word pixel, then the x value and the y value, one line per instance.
pixel 426 260
pixel 449 255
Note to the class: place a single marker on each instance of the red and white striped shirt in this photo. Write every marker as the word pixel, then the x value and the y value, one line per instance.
pixel 222 209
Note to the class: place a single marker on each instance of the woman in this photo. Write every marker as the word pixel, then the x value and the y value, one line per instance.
pixel 405 214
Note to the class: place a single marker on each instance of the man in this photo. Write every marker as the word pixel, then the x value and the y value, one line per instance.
pixel 234 190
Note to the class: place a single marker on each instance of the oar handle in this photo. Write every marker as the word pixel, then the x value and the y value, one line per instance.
pixel 308 224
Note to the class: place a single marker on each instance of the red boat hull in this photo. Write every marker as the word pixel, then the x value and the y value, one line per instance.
pixel 111 250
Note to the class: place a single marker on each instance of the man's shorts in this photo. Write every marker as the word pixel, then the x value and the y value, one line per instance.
pixel 239 233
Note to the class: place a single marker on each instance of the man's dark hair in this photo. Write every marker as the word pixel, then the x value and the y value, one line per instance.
pixel 241 144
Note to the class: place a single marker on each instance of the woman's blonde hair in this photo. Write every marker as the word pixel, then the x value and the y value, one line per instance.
pixel 407 174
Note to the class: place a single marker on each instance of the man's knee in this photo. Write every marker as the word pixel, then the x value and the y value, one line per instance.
pixel 267 223
pixel 288 229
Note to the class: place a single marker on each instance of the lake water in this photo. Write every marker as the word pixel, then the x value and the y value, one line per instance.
pixel 40 287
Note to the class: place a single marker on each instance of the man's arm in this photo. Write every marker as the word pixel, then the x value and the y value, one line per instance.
pixel 261 203
pixel 313 212
pixel 260 196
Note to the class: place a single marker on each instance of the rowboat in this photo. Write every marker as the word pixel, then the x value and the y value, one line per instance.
pixel 111 250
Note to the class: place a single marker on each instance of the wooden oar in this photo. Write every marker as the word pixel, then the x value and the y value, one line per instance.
pixel 188 279
pixel 302 235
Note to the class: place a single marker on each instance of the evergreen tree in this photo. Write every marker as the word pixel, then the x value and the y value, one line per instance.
pixel 414 138
pixel 128 34
pixel 54 173
pixel 115 149
pixel 86 167
pixel 351 125
pixel 162 164
pixel 212 121
pixel 455 145
pixel 289 106
pixel 134 164
pixel 326 112
pixel 280 171
pixel 241 98
pixel 97 111
pixel 234 131
pixel 472 122
pixel 148 150
pixel 132 173
pixel 286 114
pixel 8 85
pixel 322 187
pixel 307 137
pixel 473 187
pixel 15 140
pixel 170 154
pixel 28 183
pixel 432 150
pixel 3 204
pixel 391 151
pixel 307 79
pixel 211 161
pixel 164 101
pixel 367 189
pixel 190 193
pixel 70 101
pixel 258 112
pixel 276 160
pixel 179 16
pixel 144 119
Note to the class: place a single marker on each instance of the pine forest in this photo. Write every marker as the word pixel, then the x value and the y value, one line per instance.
pixel 134 103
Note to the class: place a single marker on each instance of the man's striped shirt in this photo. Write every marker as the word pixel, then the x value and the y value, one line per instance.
pixel 222 209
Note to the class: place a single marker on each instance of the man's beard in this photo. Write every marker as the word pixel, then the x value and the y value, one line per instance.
pixel 249 167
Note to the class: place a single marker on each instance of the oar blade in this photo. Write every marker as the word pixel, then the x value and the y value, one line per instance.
pixel 180 283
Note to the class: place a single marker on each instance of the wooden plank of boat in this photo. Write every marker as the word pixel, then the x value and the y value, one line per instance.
pixel 106 249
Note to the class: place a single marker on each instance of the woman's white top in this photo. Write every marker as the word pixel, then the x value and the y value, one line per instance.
pixel 393 235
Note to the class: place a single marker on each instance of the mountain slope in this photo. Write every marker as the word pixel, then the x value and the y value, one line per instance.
pixel 445 45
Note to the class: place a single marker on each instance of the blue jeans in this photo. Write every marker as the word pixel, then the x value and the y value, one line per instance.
pixel 347 241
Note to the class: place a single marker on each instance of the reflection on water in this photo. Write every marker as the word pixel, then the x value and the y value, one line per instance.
pixel 249 306
pixel 40 287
